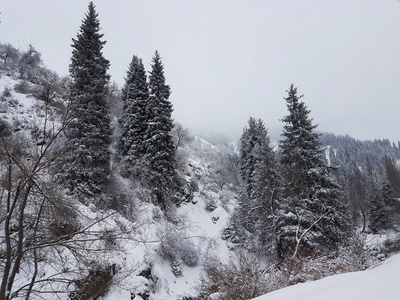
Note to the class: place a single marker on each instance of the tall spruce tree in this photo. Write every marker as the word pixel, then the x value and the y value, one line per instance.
pixel 392 175
pixel 266 193
pixel 85 162
pixel 158 143
pixel 134 120
pixel 259 184
pixel 312 214
pixel 378 210
pixel 251 137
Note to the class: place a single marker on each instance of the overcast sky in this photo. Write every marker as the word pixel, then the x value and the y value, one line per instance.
pixel 228 60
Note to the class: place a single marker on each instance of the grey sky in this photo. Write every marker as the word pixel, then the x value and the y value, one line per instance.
pixel 228 60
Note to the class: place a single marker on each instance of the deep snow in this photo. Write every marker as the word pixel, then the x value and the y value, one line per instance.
pixel 382 282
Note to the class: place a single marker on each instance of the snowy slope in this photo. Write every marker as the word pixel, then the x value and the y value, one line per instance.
pixel 193 222
pixel 197 226
pixel 382 282
pixel 139 238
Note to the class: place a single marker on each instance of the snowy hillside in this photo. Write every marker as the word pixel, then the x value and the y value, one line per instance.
pixel 174 252
pixel 158 256
pixel 381 282
pixel 122 242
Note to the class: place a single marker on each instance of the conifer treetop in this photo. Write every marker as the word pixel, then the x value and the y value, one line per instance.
pixel 85 162
pixel 157 85
pixel 298 133
pixel 88 47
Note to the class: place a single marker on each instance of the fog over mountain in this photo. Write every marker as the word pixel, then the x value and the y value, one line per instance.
pixel 228 60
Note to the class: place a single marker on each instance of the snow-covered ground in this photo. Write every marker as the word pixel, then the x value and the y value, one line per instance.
pixel 193 223
pixel 382 282
pixel 196 225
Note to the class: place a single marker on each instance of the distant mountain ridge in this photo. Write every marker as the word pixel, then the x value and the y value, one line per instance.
pixel 346 152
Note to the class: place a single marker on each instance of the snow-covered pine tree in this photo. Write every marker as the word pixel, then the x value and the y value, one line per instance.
pixel 392 175
pixel 85 161
pixel 259 183
pixel 312 214
pixel 249 139
pixel 158 144
pixel 134 119
pixel 379 218
pixel 266 191
pixel 387 192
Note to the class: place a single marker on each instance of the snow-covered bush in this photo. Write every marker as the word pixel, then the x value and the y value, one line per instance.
pixel 210 198
pixel 22 87
pixel 178 248
pixel 194 185
pixel 354 254
pixel 190 254
pixel 181 158
pixel 391 245
pixel 176 267
pixel 239 278
pixel 109 239
pixel 349 258
pixel 183 191
pixel 14 103
pixel 6 93
pixel 3 107
pixel 211 204
pixel 236 235
pixel 96 284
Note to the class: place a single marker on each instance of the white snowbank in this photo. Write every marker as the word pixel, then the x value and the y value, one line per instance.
pixel 382 282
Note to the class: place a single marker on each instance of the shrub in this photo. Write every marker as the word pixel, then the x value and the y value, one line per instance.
pixel 5 128
pixel 211 203
pixel 109 238
pixel 6 92
pixel 13 103
pixel 22 87
pixel 194 185
pixel 240 278
pixel 183 192
pixel 95 284
pixel 62 229
pixel 235 235
pixel 176 267
pixel 391 245
pixel 349 258
pixel 189 254
pixel 178 249
pixel 60 216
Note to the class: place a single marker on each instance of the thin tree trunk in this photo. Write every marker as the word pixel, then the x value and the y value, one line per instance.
pixel 20 242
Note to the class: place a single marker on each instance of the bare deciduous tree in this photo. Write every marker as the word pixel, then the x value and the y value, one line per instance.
pixel 181 135
pixel 40 226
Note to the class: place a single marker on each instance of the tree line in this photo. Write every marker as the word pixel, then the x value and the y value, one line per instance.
pixel 312 194
pixel 289 202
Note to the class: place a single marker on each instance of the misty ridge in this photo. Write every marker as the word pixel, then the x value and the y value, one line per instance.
pixel 104 196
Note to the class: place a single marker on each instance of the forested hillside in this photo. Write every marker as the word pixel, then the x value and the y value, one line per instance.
pixel 369 156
